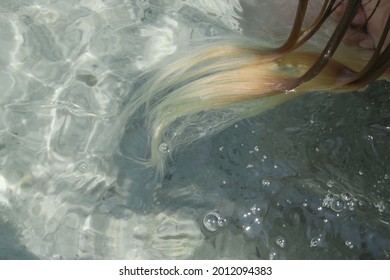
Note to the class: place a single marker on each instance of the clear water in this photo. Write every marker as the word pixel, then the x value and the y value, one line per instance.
pixel 307 180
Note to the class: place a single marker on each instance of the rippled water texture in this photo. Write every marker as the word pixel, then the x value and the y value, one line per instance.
pixel 307 180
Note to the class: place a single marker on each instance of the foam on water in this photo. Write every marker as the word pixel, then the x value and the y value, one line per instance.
pixel 308 179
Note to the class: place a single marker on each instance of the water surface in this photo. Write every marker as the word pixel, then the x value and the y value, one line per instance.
pixel 308 179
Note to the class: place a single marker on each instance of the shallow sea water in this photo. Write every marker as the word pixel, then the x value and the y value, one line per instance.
pixel 308 179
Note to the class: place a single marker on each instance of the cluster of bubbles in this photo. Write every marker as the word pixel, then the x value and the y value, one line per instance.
pixel 339 202
pixel 212 221
pixel 249 221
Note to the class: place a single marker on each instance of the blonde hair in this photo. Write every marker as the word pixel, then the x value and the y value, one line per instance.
pixel 206 89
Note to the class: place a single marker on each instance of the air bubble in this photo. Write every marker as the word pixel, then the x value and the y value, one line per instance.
pixel 346 196
pixel 314 242
pixel 221 221
pixel 349 244
pixel 163 148
pixel 280 241
pixel 265 183
pixel 337 205
pixel 82 166
pixel 212 221
pixel 330 183
pixel 254 209
pixel 327 200
pixel 251 221
pixel 380 205
pixel 272 255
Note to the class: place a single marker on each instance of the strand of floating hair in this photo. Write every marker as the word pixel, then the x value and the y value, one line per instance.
pixel 296 30
pixel 376 66
pixel 373 11
pixel 177 69
pixel 157 157
pixel 176 73
pixel 222 78
pixel 251 76
pixel 182 69
pixel 330 48
pixel 326 11
pixel 217 91
pixel 376 69
pixel 201 62
pixel 294 41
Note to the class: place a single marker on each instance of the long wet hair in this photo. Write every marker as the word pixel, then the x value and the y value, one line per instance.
pixel 208 88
